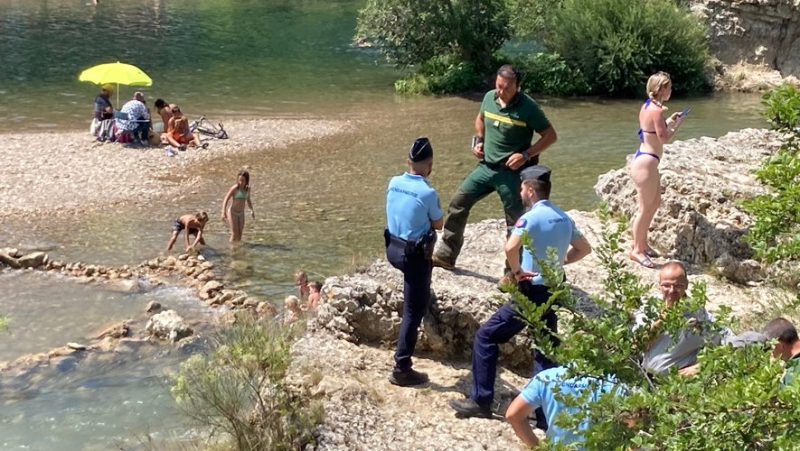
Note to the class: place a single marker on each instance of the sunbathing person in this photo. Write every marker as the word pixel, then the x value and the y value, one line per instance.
pixel 165 111
pixel 178 133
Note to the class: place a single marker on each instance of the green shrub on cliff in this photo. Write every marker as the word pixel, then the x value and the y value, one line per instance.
pixel 239 388
pixel 617 44
pixel 440 75
pixel 775 230
pixel 734 402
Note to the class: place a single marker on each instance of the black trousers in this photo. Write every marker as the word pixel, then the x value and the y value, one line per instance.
pixel 416 297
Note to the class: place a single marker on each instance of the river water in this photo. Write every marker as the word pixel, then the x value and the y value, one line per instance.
pixel 319 204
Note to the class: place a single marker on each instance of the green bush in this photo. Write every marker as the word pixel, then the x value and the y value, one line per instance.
pixel 440 75
pixel 618 44
pixel 550 74
pixel 527 19
pixel 239 389
pixel 411 32
pixel 734 402
pixel 775 231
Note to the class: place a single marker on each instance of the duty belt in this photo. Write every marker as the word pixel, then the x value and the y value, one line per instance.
pixel 422 247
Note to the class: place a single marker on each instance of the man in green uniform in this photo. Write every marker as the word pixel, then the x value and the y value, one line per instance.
pixel 504 127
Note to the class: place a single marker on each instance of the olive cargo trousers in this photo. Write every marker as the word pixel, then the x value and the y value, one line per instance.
pixel 482 181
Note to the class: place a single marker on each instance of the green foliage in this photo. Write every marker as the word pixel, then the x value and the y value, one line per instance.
pixel 775 231
pixel 618 44
pixel 734 402
pixel 550 74
pixel 411 32
pixel 239 389
pixel 440 75
pixel 3 323
pixel 527 19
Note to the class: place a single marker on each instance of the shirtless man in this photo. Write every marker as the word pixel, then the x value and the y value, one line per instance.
pixel 165 111
pixel 194 224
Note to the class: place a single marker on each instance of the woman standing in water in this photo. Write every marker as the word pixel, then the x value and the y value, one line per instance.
pixel 654 132
pixel 240 195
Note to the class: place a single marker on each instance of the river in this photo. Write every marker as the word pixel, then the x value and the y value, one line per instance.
pixel 319 204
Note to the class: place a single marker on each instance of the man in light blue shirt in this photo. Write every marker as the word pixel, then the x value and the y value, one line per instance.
pixel 548 226
pixel 543 392
pixel 413 214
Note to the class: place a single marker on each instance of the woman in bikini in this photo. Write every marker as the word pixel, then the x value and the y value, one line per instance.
pixel 239 195
pixel 653 134
pixel 178 133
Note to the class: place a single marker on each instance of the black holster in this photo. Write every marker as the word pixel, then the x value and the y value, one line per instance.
pixel 419 248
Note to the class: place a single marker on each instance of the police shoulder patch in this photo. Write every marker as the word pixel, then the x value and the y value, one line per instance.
pixel 522 222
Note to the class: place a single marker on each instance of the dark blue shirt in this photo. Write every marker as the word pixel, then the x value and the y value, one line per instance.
pixel 101 102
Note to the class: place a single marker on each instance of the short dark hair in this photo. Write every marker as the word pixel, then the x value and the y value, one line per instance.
pixel 541 188
pixel 782 329
pixel 160 103
pixel 317 285
pixel 508 71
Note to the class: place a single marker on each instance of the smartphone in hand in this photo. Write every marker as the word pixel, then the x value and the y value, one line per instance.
pixel 685 112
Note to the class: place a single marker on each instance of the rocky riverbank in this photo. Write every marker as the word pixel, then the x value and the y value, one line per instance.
pixel 347 356
pixel 60 172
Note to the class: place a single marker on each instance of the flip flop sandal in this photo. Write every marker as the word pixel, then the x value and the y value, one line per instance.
pixel 646 262
pixel 652 253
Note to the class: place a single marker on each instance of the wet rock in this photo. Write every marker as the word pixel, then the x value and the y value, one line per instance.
pixel 210 288
pixel 76 346
pixel 168 325
pixel 238 300
pixel 116 331
pixel 152 306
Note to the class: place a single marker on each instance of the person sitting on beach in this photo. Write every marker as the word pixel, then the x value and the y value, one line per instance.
pixel 194 224
pixel 135 119
pixel 314 290
pixel 239 195
pixel 178 133
pixel 165 111
pixel 292 312
pixel 301 282
pixel 103 121
pixel 654 132
pixel 102 103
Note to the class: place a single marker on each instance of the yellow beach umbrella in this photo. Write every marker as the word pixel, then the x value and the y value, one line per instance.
pixel 116 73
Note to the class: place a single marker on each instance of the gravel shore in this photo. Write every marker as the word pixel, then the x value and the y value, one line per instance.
pixel 65 171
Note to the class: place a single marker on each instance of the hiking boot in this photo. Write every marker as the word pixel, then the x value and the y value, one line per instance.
pixel 468 408
pixel 407 378
pixel 439 262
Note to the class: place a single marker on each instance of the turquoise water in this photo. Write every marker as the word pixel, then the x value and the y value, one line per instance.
pixel 319 203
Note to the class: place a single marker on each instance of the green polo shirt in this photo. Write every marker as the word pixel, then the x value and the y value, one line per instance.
pixel 510 129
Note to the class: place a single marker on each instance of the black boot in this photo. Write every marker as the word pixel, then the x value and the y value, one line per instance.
pixel 467 407
pixel 407 378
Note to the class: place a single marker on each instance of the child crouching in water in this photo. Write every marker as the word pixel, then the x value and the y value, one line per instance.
pixel 194 224
pixel 291 310
pixel 314 289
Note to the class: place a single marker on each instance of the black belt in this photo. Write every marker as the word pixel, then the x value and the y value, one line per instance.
pixel 422 247
pixel 502 164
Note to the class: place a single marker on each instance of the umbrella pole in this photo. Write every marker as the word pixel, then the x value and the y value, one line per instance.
pixel 117 95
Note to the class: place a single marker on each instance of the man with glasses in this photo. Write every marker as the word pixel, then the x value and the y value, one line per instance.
pixel 666 351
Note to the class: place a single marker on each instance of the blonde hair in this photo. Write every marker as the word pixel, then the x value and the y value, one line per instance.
pixel 202 216
pixel 291 302
pixel 656 82
pixel 300 274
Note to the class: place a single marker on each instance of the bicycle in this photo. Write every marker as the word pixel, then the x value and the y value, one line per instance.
pixel 205 127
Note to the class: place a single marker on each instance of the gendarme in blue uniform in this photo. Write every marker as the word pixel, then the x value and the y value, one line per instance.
pixel 549 227
pixel 411 205
pixel 544 389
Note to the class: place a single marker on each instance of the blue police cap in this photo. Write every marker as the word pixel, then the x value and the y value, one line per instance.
pixel 421 150
pixel 541 173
